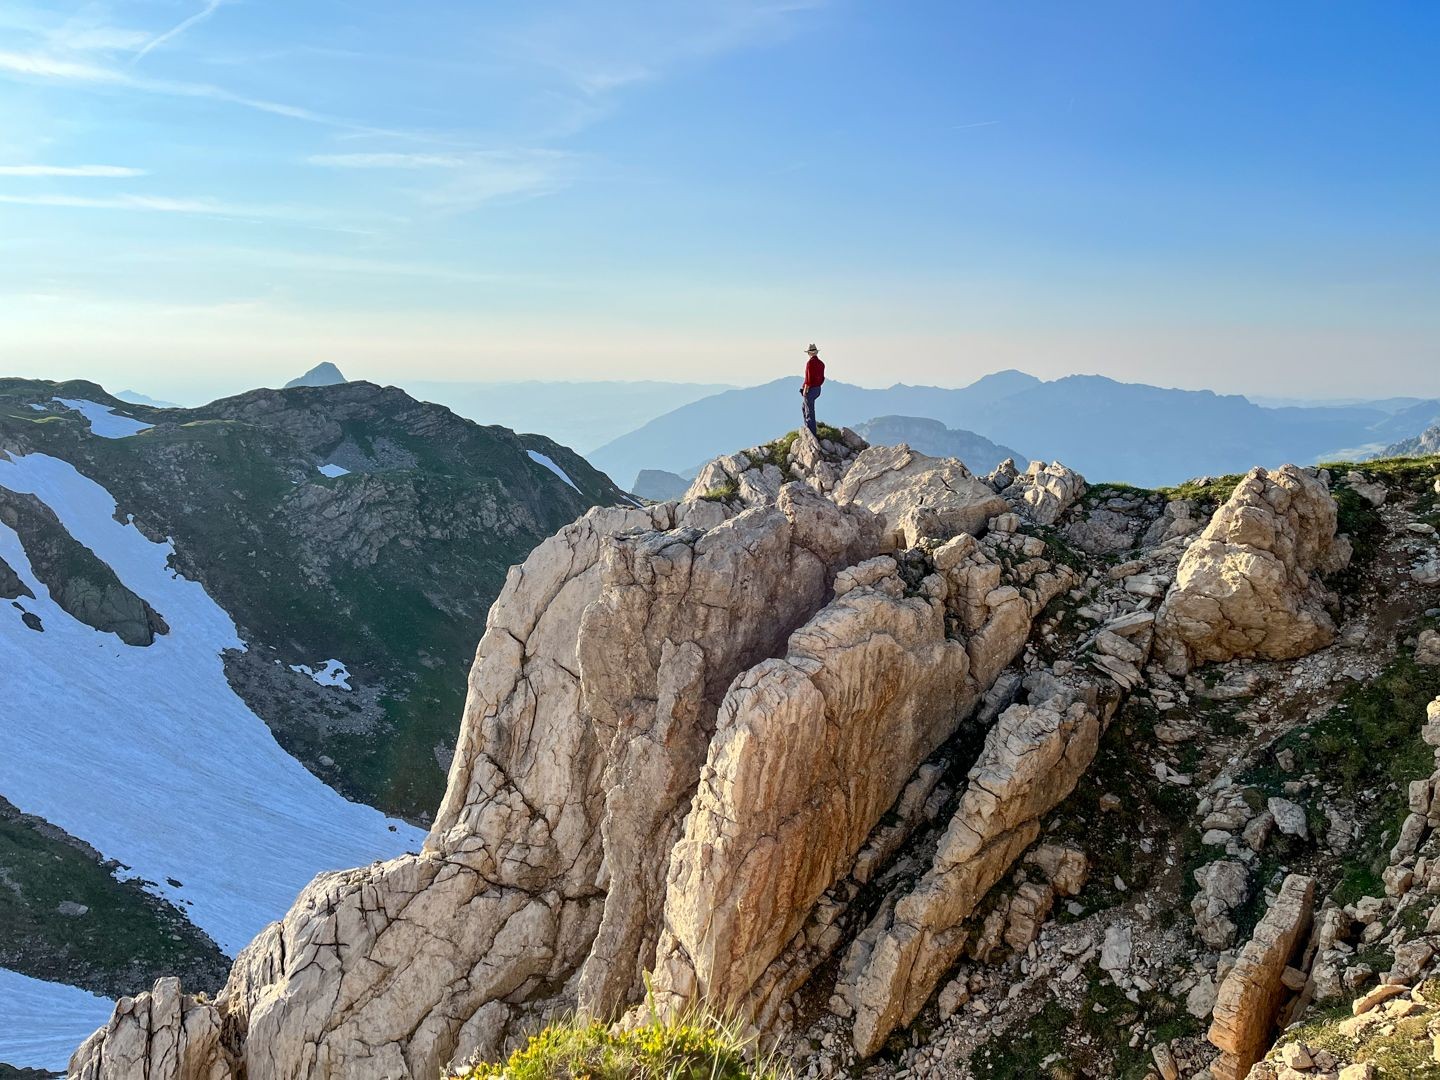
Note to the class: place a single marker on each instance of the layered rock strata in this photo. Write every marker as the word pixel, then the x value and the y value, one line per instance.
pixel 1251 996
pixel 1032 759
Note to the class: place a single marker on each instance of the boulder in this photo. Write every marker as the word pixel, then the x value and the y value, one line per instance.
pixel 1224 886
pixel 918 496
pixel 1427 648
pixel 1250 585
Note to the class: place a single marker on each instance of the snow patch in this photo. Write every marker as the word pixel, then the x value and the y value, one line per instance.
pixel 541 459
pixel 38 407
pixel 41 1023
pixel 180 779
pixel 332 674
pixel 333 471
pixel 104 421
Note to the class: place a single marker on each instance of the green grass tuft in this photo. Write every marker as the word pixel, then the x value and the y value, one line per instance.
pixel 722 492
pixel 686 1049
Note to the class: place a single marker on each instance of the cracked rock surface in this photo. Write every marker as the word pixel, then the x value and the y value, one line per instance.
pixel 1251 585
pixel 790 733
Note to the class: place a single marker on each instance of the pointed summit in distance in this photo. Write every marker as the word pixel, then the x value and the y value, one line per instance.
pixel 326 374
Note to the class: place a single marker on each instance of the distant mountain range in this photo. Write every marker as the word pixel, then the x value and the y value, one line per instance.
pixel 1427 442
pixel 579 414
pixel 1108 430
pixel 934 438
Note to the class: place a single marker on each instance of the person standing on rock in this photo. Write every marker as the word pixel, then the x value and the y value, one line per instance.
pixel 810 388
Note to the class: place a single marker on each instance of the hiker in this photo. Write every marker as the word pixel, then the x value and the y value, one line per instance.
pixel 810 388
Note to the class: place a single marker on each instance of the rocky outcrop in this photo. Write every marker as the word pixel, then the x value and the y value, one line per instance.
pixel 680 614
pixel 812 749
pixel 679 716
pixel 918 496
pixel 1251 996
pixel 1044 492
pixel 11 587
pixel 164 1033
pixel 754 477
pixel 1427 442
pixel 1250 585
pixel 802 731
pixel 77 580
pixel 1032 759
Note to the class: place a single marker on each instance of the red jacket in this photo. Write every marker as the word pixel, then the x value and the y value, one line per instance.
pixel 814 371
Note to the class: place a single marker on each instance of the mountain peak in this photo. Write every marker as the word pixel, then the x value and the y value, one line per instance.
pixel 323 374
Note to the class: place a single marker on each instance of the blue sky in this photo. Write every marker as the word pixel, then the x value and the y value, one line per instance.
pixel 199 195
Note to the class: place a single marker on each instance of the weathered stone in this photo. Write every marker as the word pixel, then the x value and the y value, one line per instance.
pixel 1289 817
pixel 1224 886
pixel 1250 586
pixel 809 752
pixel 1382 993
pixel 1252 993
pixel 1066 868
pixel 1044 492
pixel 918 496
pixel 161 1033
pixel 1031 760
pixel 1427 648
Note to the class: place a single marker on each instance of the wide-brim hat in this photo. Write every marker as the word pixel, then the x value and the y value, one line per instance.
pixel 813 351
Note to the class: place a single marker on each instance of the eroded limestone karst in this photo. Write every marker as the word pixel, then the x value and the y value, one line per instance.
pixel 694 732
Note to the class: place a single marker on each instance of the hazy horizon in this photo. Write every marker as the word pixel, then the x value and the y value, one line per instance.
pixel 191 391
pixel 1224 196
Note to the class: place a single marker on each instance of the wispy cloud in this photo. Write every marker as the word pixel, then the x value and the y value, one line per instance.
pixel 607 47
pixel 201 207
pixel 389 161
pixel 159 204
pixel 976 124
pixel 471 179
pixel 45 66
pixel 70 170
pixel 211 6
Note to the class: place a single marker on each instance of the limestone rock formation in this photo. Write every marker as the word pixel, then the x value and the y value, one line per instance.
pixel 1031 760
pixel 164 1033
pixel 1251 996
pixel 1044 492
pixel 812 749
pixel 719 747
pixel 918 496
pixel 1250 585
pixel 755 476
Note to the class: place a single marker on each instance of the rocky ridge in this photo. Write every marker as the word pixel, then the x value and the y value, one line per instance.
pixel 796 744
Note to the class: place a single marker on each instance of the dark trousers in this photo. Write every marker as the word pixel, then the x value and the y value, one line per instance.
pixel 807 406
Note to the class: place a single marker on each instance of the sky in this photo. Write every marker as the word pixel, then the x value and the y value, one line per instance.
pixel 207 195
